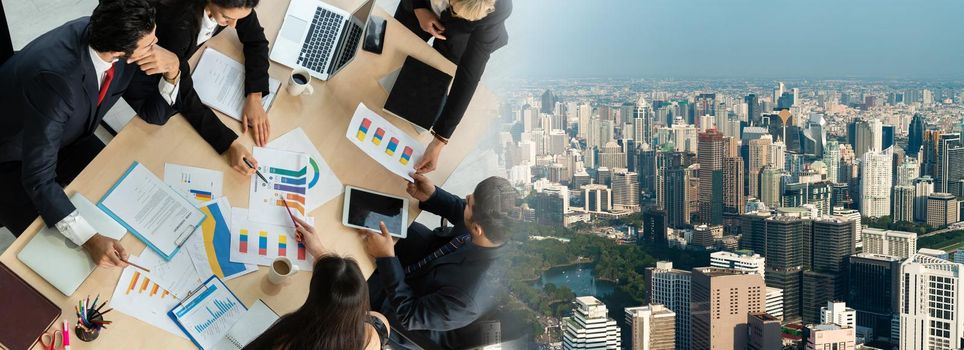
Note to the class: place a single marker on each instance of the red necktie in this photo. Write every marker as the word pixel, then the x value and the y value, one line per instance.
pixel 106 85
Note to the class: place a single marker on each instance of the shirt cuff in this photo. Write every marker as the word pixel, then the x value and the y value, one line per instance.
pixel 169 91
pixel 76 228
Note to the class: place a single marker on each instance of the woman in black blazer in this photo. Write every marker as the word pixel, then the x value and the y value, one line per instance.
pixel 182 27
pixel 466 32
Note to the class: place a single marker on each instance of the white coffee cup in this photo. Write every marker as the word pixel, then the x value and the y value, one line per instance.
pixel 281 270
pixel 299 83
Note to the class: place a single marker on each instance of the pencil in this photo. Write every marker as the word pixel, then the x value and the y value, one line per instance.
pixel 102 313
pixel 130 263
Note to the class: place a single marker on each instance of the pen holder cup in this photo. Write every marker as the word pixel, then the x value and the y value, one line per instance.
pixel 88 334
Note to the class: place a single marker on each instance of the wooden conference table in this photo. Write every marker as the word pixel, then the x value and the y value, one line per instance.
pixel 324 116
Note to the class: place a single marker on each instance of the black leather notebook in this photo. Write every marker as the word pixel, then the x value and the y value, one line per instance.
pixel 26 312
pixel 419 93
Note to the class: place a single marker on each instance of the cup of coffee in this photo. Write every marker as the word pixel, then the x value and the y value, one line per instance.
pixel 281 270
pixel 300 83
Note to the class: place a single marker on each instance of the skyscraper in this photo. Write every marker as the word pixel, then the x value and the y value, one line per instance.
pixel 674 191
pixel 942 209
pixel 833 240
pixel 876 182
pixel 759 152
pixel 745 262
pixel 950 156
pixel 671 288
pixel 643 121
pixel 612 156
pixel 548 102
pixel 710 155
pixel 915 135
pixel 652 327
pixel 770 190
pixel 873 291
pixel 831 158
pixel 764 332
pixel 625 190
pixel 787 252
pixel 903 207
pixel 734 198
pixel 931 303
pixel 590 327
pixel 720 301
pixel 923 187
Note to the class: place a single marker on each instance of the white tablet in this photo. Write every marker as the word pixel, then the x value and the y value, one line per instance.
pixel 365 209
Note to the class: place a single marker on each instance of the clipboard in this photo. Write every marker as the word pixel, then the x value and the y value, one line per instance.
pixel 178 241
pixel 191 302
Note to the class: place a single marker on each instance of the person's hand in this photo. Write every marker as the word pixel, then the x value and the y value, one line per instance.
pixel 254 116
pixel 430 23
pixel 106 251
pixel 378 244
pixel 157 60
pixel 237 153
pixel 306 234
pixel 422 189
pixel 429 160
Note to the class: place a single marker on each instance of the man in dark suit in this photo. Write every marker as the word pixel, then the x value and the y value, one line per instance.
pixel 55 92
pixel 440 281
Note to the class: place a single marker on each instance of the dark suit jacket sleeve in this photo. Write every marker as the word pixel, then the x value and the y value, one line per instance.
pixel 251 35
pixel 46 96
pixel 449 206
pixel 445 309
pixel 421 4
pixel 471 64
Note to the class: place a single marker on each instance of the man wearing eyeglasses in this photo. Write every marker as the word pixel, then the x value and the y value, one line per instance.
pixel 55 92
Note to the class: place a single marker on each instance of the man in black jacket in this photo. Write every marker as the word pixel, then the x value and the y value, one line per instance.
pixel 55 92
pixel 440 281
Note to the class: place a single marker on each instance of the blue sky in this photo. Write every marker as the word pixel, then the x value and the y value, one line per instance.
pixel 735 39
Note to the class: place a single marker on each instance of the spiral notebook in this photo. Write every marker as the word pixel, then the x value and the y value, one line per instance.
pixel 254 322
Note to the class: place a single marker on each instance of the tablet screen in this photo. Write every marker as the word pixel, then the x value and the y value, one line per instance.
pixel 367 209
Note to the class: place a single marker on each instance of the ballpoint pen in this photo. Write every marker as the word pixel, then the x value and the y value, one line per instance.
pixel 255 169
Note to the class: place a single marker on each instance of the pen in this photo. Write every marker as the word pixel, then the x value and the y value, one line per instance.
pixel 130 263
pixel 66 335
pixel 288 209
pixel 255 170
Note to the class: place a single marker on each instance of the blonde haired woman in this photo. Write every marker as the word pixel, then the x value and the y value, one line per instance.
pixel 466 32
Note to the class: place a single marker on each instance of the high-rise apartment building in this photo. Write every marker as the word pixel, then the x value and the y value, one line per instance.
pixel 720 301
pixel 931 304
pixel 652 327
pixel 923 187
pixel 746 262
pixel 903 207
pixel 671 288
pixel 734 198
pixel 876 183
pixel 901 244
pixel 625 190
pixel 759 158
pixel 590 327
pixel 942 209
pixel 873 292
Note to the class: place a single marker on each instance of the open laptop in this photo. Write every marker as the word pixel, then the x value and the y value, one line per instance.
pixel 320 37
pixel 57 259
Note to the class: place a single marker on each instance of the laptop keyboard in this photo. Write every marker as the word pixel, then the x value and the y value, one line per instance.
pixel 320 40
pixel 352 36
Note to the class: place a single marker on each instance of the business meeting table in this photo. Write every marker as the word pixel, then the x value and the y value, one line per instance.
pixel 324 116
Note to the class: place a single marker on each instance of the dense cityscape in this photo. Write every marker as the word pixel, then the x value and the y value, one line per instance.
pixel 738 214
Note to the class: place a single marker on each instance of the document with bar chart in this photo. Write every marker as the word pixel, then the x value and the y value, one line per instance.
pixel 209 313
pixel 196 184
pixel 258 243
pixel 386 144
pixel 137 295
pixel 287 175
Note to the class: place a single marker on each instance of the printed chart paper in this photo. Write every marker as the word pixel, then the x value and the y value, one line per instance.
pixel 210 249
pixel 140 297
pixel 209 314
pixel 257 243
pixel 219 82
pixel 323 185
pixel 287 175
pixel 389 146
pixel 196 184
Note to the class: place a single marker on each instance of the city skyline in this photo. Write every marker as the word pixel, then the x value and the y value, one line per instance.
pixel 822 40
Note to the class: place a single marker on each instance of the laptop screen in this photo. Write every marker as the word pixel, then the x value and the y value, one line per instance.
pixel 351 37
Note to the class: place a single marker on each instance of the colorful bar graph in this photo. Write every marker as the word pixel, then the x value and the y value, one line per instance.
pixel 293 205
pixel 293 181
pixel 286 188
pixel 379 134
pixel 392 146
pixel 263 243
pixel 282 245
pixel 288 172
pixel 144 284
pixel 301 251
pixel 244 241
pixel 202 195
pixel 406 156
pixel 363 129
pixel 295 197
pixel 137 275
pixel 154 289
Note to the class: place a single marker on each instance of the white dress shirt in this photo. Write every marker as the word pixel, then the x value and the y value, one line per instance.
pixel 74 226
pixel 208 26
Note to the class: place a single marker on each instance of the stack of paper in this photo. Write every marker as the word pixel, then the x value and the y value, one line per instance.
pixel 219 82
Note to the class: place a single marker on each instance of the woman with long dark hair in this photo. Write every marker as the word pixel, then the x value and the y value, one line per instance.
pixel 336 314
pixel 183 26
